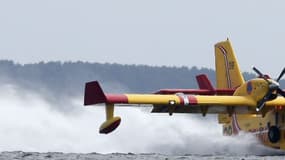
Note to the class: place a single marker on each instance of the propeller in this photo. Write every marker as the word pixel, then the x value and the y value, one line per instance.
pixel 273 86
pixel 281 75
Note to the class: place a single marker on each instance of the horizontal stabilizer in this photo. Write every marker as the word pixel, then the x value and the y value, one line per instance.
pixel 204 82
pixel 93 93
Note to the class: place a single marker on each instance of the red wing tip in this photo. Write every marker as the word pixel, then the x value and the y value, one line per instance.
pixel 93 93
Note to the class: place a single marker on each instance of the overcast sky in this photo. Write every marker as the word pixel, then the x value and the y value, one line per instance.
pixel 172 33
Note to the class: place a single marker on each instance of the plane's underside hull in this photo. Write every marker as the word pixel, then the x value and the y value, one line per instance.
pixel 258 126
pixel 241 120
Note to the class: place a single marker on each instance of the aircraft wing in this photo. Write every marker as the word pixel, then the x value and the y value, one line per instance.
pixel 279 101
pixel 172 103
pixel 220 104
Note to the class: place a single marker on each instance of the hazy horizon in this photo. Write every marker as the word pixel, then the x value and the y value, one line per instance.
pixel 147 32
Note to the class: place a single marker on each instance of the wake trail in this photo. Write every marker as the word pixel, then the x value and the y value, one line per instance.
pixel 30 123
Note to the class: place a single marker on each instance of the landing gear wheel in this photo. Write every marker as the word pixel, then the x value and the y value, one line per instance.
pixel 274 134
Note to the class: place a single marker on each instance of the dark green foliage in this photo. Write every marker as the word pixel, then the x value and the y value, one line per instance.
pixel 68 79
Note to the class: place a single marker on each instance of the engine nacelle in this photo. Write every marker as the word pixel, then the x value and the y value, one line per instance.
pixel 110 125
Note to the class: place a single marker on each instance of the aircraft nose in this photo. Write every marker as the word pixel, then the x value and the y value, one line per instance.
pixel 274 85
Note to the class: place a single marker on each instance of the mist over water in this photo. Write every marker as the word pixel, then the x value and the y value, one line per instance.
pixel 29 122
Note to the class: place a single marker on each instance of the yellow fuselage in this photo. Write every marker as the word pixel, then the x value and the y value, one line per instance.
pixel 256 124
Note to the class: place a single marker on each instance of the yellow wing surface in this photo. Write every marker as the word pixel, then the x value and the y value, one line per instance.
pixel 180 103
pixel 278 102
pixel 189 100
pixel 200 104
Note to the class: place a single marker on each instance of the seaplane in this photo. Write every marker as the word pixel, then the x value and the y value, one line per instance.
pixel 256 106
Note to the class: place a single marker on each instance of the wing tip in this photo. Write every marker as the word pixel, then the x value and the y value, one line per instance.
pixel 93 93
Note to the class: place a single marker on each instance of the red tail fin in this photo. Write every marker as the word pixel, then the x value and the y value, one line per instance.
pixel 204 82
pixel 93 94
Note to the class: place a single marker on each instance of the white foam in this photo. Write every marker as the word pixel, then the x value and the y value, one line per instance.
pixel 30 123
